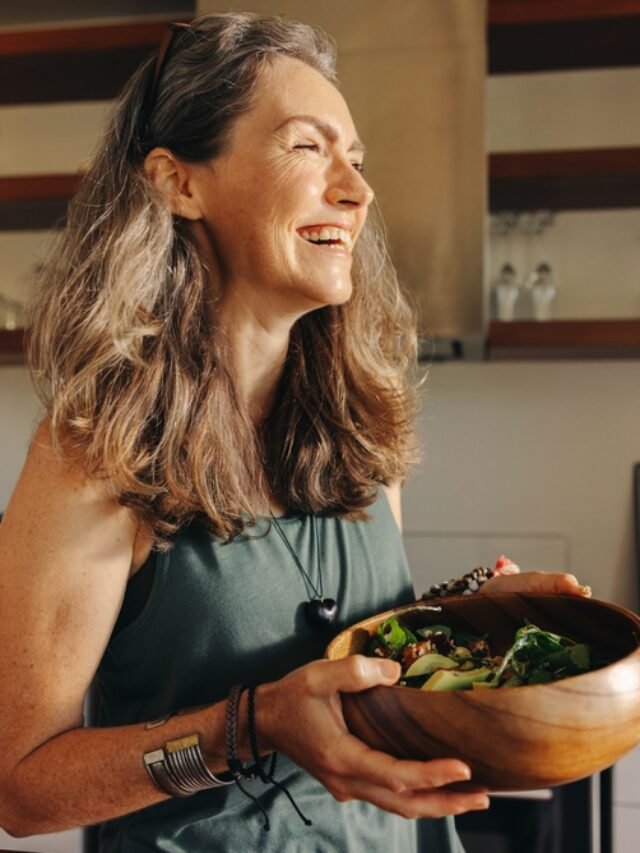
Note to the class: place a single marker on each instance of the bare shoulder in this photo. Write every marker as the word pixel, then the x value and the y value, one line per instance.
pixel 54 499
pixel 65 554
pixel 56 492
pixel 395 502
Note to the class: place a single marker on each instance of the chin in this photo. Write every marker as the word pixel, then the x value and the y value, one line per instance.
pixel 310 298
pixel 337 294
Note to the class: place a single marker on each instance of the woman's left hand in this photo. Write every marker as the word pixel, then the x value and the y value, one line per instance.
pixel 508 578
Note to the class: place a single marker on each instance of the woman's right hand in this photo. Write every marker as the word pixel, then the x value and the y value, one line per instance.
pixel 301 716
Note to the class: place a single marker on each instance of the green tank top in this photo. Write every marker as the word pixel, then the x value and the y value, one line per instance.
pixel 218 614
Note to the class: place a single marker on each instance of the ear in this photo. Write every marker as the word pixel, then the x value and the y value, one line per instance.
pixel 173 179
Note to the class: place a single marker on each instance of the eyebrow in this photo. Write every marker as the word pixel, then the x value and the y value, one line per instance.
pixel 329 131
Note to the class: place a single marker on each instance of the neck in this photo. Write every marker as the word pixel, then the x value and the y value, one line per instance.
pixel 258 352
pixel 257 330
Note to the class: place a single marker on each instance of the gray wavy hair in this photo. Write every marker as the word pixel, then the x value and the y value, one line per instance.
pixel 124 348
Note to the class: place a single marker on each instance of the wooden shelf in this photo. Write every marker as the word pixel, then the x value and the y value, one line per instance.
pixel 557 35
pixel 588 179
pixel 526 340
pixel 537 11
pixel 564 339
pixel 93 62
pixel 12 346
pixel 34 202
pixel 82 63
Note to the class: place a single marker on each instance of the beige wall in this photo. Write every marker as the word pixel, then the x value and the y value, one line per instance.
pixel 43 138
pixel 521 452
pixel 568 109
pixel 18 412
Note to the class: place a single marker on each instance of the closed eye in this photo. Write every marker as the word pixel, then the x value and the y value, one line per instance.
pixel 312 146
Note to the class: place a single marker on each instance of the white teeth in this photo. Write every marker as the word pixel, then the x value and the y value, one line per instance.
pixel 328 233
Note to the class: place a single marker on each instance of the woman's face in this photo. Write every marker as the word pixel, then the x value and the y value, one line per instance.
pixel 285 203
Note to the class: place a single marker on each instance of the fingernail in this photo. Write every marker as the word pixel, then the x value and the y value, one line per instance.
pixel 481 802
pixel 389 669
pixel 586 591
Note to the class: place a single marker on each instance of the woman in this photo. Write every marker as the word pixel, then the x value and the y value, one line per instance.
pixel 221 347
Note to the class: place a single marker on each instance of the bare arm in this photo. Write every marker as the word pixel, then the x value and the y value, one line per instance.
pixel 66 549
pixel 65 555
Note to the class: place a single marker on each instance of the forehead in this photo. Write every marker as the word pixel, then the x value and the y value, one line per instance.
pixel 288 87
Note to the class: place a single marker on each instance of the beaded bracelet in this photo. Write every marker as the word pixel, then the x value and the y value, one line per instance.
pixel 466 585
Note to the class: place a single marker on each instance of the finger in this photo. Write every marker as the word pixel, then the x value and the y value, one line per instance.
pixel 507 583
pixel 568 584
pixel 385 771
pixel 557 583
pixel 355 673
pixel 412 804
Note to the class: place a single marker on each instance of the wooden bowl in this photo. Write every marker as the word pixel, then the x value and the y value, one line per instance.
pixel 513 738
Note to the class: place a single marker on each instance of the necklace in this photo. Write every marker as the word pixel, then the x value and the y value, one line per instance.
pixel 320 612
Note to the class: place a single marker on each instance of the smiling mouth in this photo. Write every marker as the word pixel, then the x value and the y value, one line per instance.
pixel 328 236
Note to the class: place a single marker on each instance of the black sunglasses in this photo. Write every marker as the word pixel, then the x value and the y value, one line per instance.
pixel 164 50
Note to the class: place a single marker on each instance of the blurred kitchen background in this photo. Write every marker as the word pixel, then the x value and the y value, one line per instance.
pixel 504 146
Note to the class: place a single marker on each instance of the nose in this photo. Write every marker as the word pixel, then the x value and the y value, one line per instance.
pixel 348 188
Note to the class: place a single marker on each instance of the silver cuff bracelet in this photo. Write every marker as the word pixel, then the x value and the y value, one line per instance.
pixel 180 770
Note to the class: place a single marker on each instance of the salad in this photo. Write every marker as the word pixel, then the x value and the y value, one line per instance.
pixel 440 658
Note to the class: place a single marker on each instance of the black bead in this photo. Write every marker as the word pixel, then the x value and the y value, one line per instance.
pixel 321 612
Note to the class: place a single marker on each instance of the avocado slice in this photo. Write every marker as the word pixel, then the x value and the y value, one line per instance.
pixel 484 685
pixel 456 680
pixel 430 663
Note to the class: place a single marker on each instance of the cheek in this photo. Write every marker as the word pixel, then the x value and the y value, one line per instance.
pixel 292 187
pixel 283 205
pixel 263 208
pixel 305 181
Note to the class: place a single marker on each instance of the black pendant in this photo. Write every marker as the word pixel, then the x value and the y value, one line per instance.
pixel 321 612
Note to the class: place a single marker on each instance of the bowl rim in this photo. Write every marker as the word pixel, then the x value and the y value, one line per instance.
pixel 430 605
